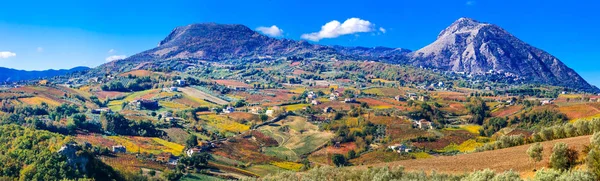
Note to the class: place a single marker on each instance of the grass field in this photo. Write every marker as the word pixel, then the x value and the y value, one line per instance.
pixel 199 177
pixel 301 138
pixel 202 95
pixel 263 170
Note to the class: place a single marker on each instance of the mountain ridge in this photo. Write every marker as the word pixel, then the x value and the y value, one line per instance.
pixel 467 45
pixel 9 74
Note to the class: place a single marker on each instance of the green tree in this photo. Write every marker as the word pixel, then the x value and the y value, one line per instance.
pixel 339 160
pixel 563 157
pixel 263 117
pixel 351 154
pixel 192 141
pixel 593 158
pixel 535 153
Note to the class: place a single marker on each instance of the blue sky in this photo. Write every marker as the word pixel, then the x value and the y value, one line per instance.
pixel 37 35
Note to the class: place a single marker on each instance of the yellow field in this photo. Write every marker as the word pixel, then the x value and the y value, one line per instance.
pixel 38 101
pixel 172 147
pixel 381 107
pixel 421 155
pixel 148 145
pixel 298 90
pixel 570 96
pixel 288 165
pixel 382 80
pixel 225 124
pixel 469 146
pixel 295 107
pixel 172 105
pixel 471 128
pixel 85 88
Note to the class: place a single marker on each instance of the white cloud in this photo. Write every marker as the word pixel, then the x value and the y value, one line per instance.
pixel 334 29
pixel 271 31
pixel 39 49
pixel 470 3
pixel 7 54
pixel 382 29
pixel 111 51
pixel 115 57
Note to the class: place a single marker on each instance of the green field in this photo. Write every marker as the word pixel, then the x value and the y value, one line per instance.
pixel 301 138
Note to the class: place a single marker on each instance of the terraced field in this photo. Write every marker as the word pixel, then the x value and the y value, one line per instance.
pixel 202 95
pixel 301 138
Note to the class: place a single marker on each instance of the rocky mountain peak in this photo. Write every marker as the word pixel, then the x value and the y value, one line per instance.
pixel 474 47
pixel 194 32
pixel 462 26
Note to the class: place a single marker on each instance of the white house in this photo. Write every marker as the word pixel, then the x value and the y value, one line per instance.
pixel 229 109
pixel 424 124
pixel 193 151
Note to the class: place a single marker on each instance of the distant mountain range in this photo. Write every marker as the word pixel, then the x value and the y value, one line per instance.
pixel 12 75
pixel 465 46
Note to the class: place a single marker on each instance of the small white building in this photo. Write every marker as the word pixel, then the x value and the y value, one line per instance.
pixel 349 100
pixel 400 148
pixel 424 124
pixel 229 109
pixel 193 151
pixel 315 102
pixel 181 82
pixel 119 149
pixel 269 113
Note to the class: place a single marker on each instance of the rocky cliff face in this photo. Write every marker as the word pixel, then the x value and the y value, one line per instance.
pixel 475 47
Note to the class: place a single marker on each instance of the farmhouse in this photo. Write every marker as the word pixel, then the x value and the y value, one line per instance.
pixel 181 83
pixel 101 110
pixel 349 100
pixel 546 102
pixel 333 97
pixel 311 95
pixel 400 148
pixel 166 114
pixel 119 149
pixel 145 104
pixel 423 98
pixel 256 110
pixel 412 96
pixel 269 113
pixel 229 109
pixel 399 98
pixel 315 102
pixel 423 124
pixel 168 158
